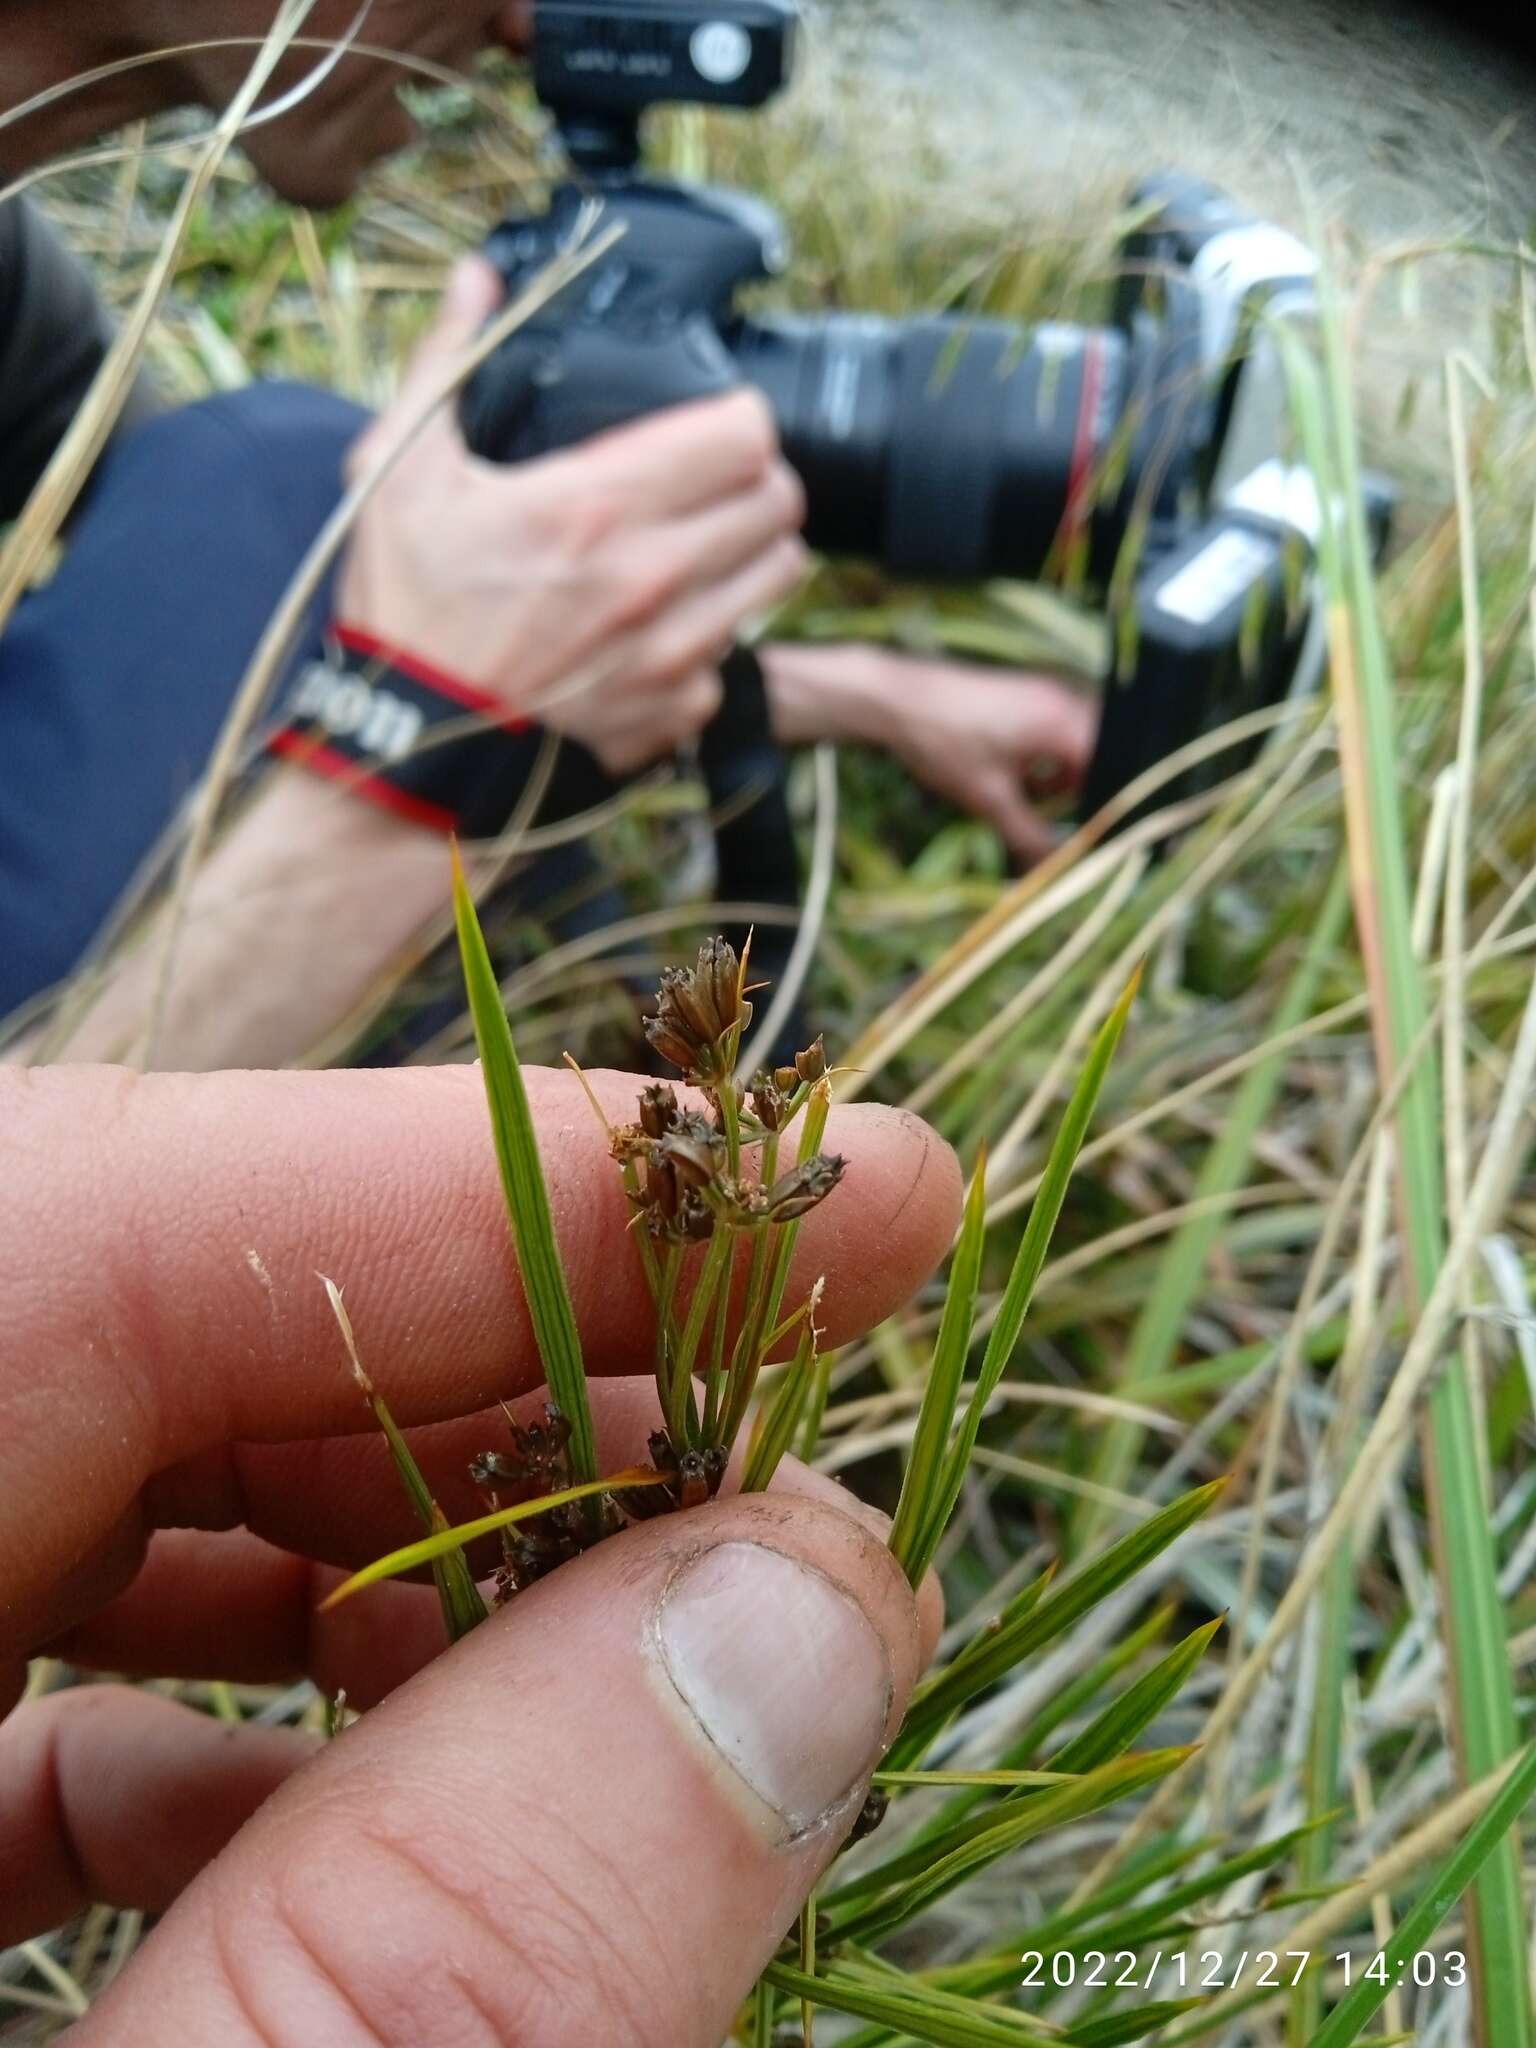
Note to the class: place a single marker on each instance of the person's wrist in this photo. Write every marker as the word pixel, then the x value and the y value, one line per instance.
pixel 829 693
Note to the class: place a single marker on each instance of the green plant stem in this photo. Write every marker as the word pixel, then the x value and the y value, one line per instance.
pixel 666 1321
pixel 748 1335
pixel 743 1381
pixel 682 1425
pixel 715 1385
pixel 1324 1747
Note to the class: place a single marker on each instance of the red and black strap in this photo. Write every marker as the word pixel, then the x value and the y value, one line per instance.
pixel 407 736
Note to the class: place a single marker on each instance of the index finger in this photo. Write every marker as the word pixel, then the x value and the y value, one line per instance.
pixel 163 1236
pixel 678 460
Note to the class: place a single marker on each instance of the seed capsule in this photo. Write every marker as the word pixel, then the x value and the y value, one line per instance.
pixel 697 1010
pixel 658 1109
pixel 801 1189
pixel 767 1102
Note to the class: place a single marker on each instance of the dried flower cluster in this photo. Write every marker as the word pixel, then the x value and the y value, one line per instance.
pixel 685 1173
pixel 538 1464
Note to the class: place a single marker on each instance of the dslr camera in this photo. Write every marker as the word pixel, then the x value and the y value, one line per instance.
pixel 1145 459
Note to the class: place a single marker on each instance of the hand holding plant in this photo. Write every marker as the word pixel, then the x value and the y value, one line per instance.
pixel 538 1837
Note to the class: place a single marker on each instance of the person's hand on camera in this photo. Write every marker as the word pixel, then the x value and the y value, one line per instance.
pixel 993 742
pixel 595 590
pixel 592 1820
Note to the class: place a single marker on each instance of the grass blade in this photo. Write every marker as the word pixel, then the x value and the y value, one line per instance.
pixel 1114 1920
pixel 463 1608
pixel 912 2008
pixel 996 1651
pixel 923 1483
pixel 782 1417
pixel 1016 1822
pixel 985 1780
pixel 1108 1737
pixel 1134 2025
pixel 522 1180
pixel 1036 1242
pixel 413 1555
pixel 1494 1825
pixel 1064 1705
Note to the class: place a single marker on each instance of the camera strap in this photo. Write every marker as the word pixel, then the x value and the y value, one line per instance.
pixel 397 732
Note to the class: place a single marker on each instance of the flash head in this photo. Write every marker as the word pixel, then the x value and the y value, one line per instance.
pixel 598 66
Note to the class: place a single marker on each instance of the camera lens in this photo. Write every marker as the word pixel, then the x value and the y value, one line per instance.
pixel 953 447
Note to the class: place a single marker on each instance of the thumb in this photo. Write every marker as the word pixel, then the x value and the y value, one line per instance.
pixel 593 1820
pixel 470 297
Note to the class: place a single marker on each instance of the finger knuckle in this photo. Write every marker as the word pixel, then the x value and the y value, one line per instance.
pixel 788 495
pixel 579 522
pixel 791 559
pixel 691 707
pixel 759 429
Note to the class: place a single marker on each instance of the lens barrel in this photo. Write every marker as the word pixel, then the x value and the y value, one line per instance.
pixel 963 448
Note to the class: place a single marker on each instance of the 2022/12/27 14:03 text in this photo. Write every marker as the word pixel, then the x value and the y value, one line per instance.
pixel 1259 1969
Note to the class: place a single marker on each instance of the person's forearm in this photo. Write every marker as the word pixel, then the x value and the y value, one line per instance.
pixel 299 912
pixel 827 693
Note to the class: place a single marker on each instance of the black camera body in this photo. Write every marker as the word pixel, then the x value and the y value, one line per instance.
pixel 943 447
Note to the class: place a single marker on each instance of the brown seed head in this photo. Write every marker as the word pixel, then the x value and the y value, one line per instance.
pixel 767 1102
pixel 675 1049
pixel 801 1189
pixel 658 1109
pixel 695 1219
pixel 662 1192
pixel 811 1064
pixel 695 1156
pixel 697 1009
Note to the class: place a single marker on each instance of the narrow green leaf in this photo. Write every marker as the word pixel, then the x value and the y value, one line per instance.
pixel 412 1555
pixel 1064 1705
pixel 463 1608
pixel 913 2009
pixel 923 1481
pixel 522 1180
pixel 1111 1920
pixel 1414 1929
pixel 1133 2025
pixel 1108 1737
pixel 987 1780
pixel 1016 1822
pixel 1138 1706
pixel 782 1417
pixel 1036 1242
pixel 995 1652
pixel 816 1406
